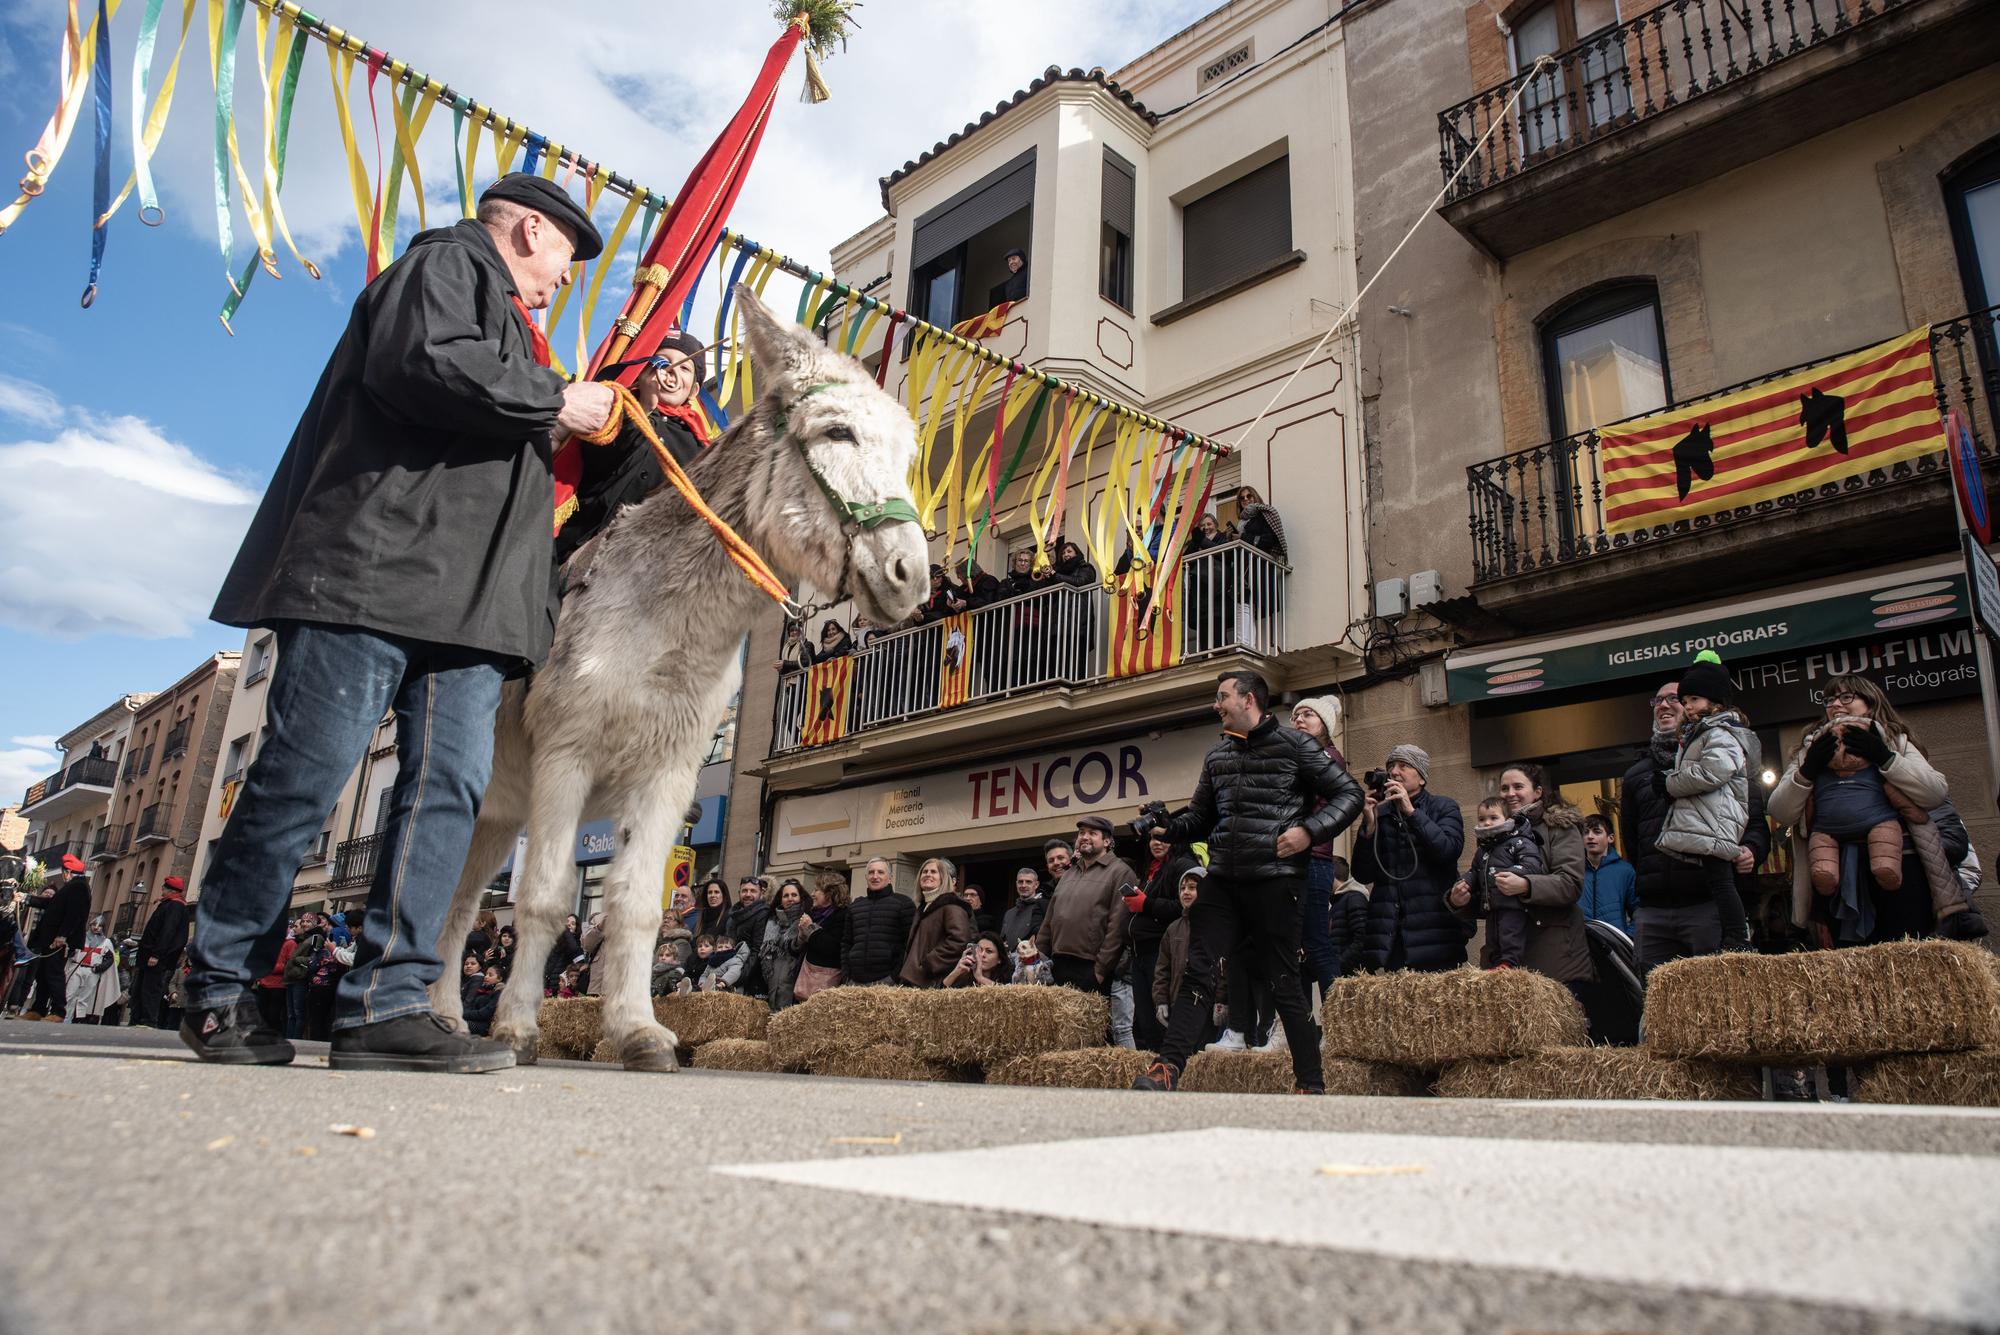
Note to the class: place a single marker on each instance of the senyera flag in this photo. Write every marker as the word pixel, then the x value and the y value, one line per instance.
pixel 1835 419
pixel 829 688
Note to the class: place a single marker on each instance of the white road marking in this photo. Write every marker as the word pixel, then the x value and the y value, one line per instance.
pixel 1779 1109
pixel 1909 1234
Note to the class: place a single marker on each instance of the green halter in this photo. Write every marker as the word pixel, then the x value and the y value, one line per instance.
pixel 873 514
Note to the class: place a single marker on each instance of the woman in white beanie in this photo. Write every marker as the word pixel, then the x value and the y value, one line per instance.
pixel 1318 717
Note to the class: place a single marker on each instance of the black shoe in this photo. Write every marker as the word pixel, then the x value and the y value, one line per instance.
pixel 1965 925
pixel 1159 1078
pixel 419 1042
pixel 234 1035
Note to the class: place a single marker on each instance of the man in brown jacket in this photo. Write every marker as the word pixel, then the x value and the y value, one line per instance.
pixel 1083 933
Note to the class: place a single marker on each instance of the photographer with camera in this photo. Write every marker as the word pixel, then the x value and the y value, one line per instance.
pixel 1408 849
pixel 1254 806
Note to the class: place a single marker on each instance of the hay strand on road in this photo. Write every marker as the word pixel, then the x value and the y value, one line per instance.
pixel 1598 1073
pixel 1952 1079
pixel 1827 1005
pixel 1427 1020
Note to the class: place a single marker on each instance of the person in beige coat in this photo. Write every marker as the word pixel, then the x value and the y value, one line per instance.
pixel 1856 909
pixel 1557 945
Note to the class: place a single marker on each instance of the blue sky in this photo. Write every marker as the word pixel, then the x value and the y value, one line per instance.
pixel 136 437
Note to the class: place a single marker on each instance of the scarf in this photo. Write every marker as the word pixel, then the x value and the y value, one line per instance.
pixel 689 415
pixel 823 916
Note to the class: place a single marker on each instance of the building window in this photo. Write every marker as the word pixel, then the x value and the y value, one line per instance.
pixel 238 758
pixel 1235 230
pixel 260 660
pixel 1114 259
pixel 1603 90
pixel 958 250
pixel 1604 356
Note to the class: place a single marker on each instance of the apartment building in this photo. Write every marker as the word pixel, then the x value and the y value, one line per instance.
pixel 69 811
pixel 156 809
pixel 1187 227
pixel 1647 209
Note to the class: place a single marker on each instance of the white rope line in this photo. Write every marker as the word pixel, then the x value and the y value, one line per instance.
pixel 1505 113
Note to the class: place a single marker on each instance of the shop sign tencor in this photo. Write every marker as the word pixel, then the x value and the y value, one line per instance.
pixel 1072 782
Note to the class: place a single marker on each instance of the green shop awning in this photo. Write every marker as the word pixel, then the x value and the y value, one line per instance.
pixel 1862 606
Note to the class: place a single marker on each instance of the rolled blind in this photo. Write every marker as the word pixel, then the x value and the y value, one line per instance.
pixel 1237 229
pixel 973 210
pixel 1119 192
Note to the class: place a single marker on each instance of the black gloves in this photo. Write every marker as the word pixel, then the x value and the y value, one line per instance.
pixel 1867 743
pixel 1814 762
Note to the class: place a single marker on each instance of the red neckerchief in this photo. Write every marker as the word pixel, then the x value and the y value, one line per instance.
pixel 536 338
pixel 689 416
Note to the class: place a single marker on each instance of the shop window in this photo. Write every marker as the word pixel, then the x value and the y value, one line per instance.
pixel 958 250
pixel 1114 259
pixel 1604 357
pixel 1591 84
pixel 1237 229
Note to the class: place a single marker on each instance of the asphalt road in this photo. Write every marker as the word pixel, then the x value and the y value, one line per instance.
pixel 150 1193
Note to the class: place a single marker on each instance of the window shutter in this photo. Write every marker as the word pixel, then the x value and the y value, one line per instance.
pixel 973 210
pixel 1120 191
pixel 1237 229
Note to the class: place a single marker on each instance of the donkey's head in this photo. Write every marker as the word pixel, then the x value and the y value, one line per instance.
pixel 831 501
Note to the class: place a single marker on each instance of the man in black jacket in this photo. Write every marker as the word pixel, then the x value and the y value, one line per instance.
pixel 1253 804
pixel 402 553
pixel 878 929
pixel 65 905
pixel 1407 851
pixel 748 918
pixel 160 947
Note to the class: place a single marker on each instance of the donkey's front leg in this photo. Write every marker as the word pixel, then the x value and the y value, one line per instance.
pixel 632 927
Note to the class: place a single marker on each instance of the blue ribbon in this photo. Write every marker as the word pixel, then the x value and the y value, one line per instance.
pixel 728 301
pixel 100 81
pixel 687 307
pixel 715 413
pixel 534 158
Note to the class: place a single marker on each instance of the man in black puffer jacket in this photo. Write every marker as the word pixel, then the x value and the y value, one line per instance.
pixel 877 931
pixel 1407 850
pixel 1254 807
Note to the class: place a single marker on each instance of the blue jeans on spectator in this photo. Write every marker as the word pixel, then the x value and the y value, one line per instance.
pixel 1322 966
pixel 331 686
pixel 295 1010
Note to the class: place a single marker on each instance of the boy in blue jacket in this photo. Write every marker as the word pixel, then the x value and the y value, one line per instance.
pixel 1610 883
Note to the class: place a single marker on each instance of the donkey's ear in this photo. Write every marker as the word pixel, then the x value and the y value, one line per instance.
pixel 778 348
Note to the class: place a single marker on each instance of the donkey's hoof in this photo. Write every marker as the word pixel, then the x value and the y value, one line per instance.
pixel 527 1053
pixel 649 1052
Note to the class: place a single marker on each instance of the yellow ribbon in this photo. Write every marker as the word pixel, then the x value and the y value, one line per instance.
pixel 469 204
pixel 340 69
pixel 260 225
pixel 507 141
pixel 280 52
pixel 749 367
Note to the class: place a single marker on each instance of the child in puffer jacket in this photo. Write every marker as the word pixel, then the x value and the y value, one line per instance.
pixel 722 963
pixel 1708 789
pixel 1506 843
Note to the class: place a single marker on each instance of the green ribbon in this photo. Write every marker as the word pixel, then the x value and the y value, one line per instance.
pixel 225 116
pixel 390 206
pixel 458 153
pixel 1007 474
pixel 142 69
pixel 286 90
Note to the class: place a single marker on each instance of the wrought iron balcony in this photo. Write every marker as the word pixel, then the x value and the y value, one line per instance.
pixel 112 842
pixel 1664 99
pixel 51 855
pixel 152 824
pixel 354 861
pixel 1543 508
pixel 177 739
pixel 93 772
pixel 1232 600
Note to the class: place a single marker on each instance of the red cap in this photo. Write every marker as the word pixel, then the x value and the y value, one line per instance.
pixel 71 862
pixel 174 883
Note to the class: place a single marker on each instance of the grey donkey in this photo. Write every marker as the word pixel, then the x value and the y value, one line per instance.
pixel 647 655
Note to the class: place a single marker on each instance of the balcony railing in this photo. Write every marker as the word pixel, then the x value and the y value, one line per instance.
pixel 138 764
pixel 152 824
pixel 52 855
pixel 1544 506
pixel 112 842
pixel 1233 598
pixel 94 771
pixel 1630 72
pixel 177 738
pixel 354 860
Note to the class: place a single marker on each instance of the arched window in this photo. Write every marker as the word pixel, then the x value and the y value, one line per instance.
pixel 1604 358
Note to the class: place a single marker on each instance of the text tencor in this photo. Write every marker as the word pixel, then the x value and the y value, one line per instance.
pixel 1058 784
pixel 1694 644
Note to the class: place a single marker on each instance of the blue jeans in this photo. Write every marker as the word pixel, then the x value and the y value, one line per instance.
pixel 295 1010
pixel 331 686
pixel 1316 932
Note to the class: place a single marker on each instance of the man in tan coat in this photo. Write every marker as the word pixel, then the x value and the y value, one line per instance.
pixel 1083 933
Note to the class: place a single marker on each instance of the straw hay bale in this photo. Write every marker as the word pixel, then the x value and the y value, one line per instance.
pixel 703 1017
pixel 838 1020
pixel 1825 1006
pixel 1345 1076
pixel 569 1028
pixel 881 1061
pixel 1238 1073
pixel 985 1026
pixel 735 1054
pixel 1085 1068
pixel 1426 1020
pixel 1955 1079
pixel 1598 1073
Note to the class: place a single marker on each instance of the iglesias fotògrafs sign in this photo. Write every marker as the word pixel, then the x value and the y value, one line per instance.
pixel 1108 778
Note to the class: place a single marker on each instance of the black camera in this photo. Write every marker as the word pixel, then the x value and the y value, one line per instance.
pixel 1151 816
pixel 1377 783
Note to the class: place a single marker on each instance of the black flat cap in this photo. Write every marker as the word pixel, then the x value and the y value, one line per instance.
pixel 1098 823
pixel 531 191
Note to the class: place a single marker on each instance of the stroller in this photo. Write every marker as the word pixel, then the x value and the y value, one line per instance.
pixel 1620 993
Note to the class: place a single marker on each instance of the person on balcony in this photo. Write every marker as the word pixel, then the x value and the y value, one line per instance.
pixel 1258 524
pixel 1014 287
pixel 947 599
pixel 1072 568
pixel 981 588
pixel 834 642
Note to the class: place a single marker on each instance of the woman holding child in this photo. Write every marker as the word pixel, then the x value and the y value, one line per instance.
pixel 1555 943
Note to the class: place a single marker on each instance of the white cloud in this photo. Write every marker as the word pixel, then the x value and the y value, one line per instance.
pixel 22 768
pixel 46 742
pixel 108 527
pixel 28 402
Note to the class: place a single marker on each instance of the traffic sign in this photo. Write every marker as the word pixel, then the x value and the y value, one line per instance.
pixel 1984 580
pixel 1964 456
